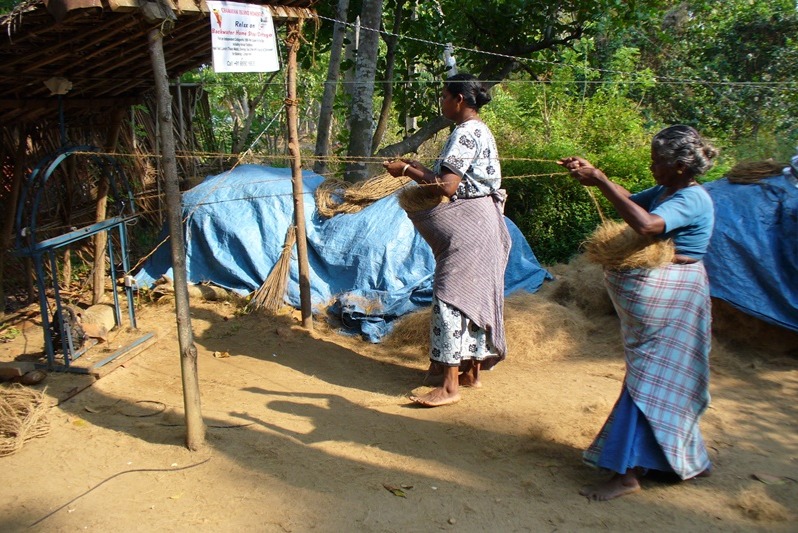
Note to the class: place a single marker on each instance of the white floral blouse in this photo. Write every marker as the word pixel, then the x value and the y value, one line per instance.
pixel 471 153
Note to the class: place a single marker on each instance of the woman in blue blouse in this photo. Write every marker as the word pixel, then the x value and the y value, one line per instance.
pixel 665 318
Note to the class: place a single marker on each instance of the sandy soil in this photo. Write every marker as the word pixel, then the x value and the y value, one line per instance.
pixel 314 432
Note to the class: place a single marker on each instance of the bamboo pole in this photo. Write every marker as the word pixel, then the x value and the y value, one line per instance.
pixel 195 428
pixel 292 42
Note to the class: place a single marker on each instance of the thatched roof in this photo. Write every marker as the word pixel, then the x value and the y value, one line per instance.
pixel 100 46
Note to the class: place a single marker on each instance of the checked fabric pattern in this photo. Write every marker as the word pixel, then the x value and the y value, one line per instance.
pixel 666 326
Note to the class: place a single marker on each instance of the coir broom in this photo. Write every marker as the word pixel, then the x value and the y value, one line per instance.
pixel 269 296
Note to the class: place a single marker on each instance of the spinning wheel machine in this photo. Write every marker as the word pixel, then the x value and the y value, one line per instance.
pixel 60 192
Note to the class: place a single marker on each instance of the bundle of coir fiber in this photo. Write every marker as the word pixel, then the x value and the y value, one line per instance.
pixel 616 246
pixel 335 196
pixel 23 416
pixel 418 198
pixel 754 171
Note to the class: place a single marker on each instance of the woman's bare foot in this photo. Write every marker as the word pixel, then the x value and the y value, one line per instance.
pixel 470 376
pixel 446 394
pixel 618 485
pixel 436 398
pixel 467 379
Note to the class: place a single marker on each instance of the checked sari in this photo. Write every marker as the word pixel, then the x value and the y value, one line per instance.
pixel 666 327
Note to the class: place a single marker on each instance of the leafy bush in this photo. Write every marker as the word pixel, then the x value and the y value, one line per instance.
pixel 538 123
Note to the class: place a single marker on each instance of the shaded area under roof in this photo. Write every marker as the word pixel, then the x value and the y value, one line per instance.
pixel 101 47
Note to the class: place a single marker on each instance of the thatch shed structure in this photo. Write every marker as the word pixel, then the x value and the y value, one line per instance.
pixel 92 59
pixel 100 49
pixel 100 46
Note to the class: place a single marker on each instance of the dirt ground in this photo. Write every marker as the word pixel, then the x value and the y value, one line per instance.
pixel 313 431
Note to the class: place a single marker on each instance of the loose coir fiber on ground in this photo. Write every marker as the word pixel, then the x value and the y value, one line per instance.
pixel 23 416
pixel 562 315
pixel 537 329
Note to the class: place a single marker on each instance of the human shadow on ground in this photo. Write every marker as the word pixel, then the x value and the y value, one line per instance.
pixel 350 448
pixel 540 468
pixel 278 340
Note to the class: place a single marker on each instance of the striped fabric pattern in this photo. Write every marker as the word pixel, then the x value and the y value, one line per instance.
pixel 471 244
pixel 666 324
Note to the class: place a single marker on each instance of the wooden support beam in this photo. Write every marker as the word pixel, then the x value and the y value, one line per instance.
pixel 195 427
pixel 291 102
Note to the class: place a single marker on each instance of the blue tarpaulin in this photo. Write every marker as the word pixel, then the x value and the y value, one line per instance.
pixel 369 267
pixel 752 261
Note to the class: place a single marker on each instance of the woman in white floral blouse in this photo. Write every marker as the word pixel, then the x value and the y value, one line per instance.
pixel 470 241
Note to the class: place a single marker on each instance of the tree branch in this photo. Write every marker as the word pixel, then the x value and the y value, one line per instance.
pixel 411 144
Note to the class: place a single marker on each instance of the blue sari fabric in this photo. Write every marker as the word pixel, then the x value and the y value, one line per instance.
pixel 630 442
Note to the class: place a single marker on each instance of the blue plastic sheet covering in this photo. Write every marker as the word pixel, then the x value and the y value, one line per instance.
pixel 369 267
pixel 752 261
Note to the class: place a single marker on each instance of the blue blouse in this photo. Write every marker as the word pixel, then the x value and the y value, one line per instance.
pixel 688 213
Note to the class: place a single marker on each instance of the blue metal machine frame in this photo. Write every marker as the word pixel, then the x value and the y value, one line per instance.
pixel 39 252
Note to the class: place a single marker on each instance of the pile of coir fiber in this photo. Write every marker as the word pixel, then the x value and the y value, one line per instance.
pixel 419 198
pixel 566 313
pixel 754 171
pixel 23 416
pixel 537 329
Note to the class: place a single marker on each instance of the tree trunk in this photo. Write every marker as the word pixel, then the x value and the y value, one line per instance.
pixel 361 121
pixel 330 86
pixel 412 143
pixel 387 91
pixel 195 427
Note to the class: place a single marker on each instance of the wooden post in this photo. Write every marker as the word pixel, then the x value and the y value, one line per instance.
pixel 292 42
pixel 195 428
pixel 20 161
pixel 100 239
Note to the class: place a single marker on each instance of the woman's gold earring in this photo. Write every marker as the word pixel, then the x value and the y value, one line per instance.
pixel 678 171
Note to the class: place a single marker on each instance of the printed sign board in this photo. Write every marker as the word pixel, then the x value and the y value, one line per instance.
pixel 243 38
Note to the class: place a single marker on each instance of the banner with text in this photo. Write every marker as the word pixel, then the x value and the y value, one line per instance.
pixel 243 38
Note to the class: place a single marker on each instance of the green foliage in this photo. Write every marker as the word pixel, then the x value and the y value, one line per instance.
pixel 488 36
pixel 9 333
pixel 727 68
pixel 232 98
pixel 538 123
pixel 7 6
pixel 138 129
pixel 616 73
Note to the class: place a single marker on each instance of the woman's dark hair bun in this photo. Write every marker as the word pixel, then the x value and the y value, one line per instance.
pixel 474 92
